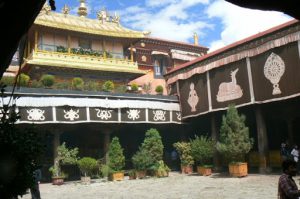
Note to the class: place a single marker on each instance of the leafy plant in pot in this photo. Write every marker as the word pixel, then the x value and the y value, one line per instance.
pixel 87 166
pixel 132 174
pixel 161 169
pixel 186 158
pixel 235 142
pixel 202 150
pixel 64 156
pixel 116 160
pixel 142 160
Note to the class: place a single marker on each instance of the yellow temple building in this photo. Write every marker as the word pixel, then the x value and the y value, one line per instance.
pixel 65 45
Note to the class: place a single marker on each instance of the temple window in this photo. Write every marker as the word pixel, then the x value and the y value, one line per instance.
pixel 160 65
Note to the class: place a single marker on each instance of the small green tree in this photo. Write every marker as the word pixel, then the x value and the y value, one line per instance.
pixel 8 81
pixel 116 159
pixel 64 156
pixel 47 80
pixel 153 145
pixel 87 165
pixel 134 87
pixel 142 160
pixel 159 89
pixel 202 150
pixel 184 150
pixel 234 142
pixel 108 86
pixel 77 83
pixel 23 79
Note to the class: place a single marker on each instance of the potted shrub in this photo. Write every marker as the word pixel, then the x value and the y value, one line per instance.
pixel 161 169
pixel 87 166
pixel 47 80
pixel 235 142
pixel 108 86
pixel 159 89
pixel 202 150
pixel 134 87
pixel 23 79
pixel 186 159
pixel 142 160
pixel 116 160
pixel 77 83
pixel 8 81
pixel 64 156
pixel 132 174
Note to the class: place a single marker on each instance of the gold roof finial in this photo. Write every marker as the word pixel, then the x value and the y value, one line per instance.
pixel 82 10
pixel 103 15
pixel 66 9
pixel 116 18
pixel 196 40
pixel 46 8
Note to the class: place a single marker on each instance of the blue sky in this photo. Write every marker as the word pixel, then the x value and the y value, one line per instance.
pixel 217 22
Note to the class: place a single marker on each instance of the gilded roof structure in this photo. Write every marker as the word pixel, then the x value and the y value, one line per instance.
pixel 105 25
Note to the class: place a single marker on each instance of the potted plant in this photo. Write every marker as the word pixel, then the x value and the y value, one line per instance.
pixel 161 169
pixel 64 156
pixel 159 89
pixel 142 160
pixel 186 159
pixel 47 80
pixel 87 166
pixel 235 142
pixel 134 87
pixel 132 174
pixel 23 79
pixel 116 160
pixel 108 86
pixel 77 83
pixel 202 150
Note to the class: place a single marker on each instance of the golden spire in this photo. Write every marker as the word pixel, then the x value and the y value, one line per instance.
pixel 82 10
pixel 66 9
pixel 46 8
pixel 196 40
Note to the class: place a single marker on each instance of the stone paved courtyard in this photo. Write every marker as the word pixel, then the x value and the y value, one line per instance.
pixel 176 186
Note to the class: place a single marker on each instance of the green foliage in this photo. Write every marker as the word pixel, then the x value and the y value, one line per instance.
pixel 147 87
pixel 108 86
pixel 185 153
pixel 91 86
pixel 235 142
pixel 36 84
pixel 47 80
pixel 105 170
pixel 132 173
pixel 64 156
pixel 23 79
pixel 202 149
pixel 61 49
pixel 153 144
pixel 22 150
pixel 63 85
pixel 87 165
pixel 121 89
pixel 134 87
pixel 142 160
pixel 116 159
pixel 159 89
pixel 77 83
pixel 8 81
pixel 161 169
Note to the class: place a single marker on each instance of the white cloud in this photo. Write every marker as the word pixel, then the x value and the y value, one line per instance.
pixel 239 23
pixel 169 19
